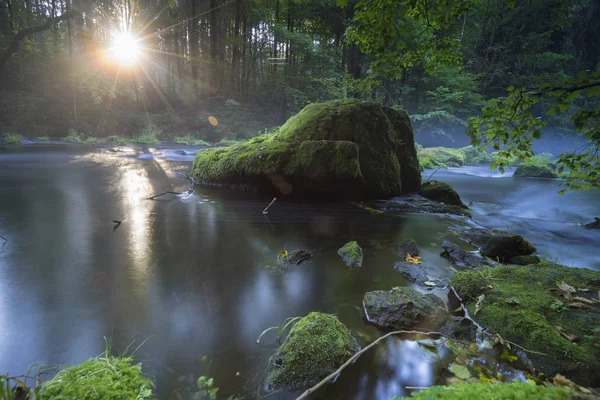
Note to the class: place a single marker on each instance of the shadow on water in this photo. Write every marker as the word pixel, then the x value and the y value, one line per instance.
pixel 191 272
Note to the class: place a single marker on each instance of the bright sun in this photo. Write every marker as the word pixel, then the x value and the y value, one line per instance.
pixel 125 49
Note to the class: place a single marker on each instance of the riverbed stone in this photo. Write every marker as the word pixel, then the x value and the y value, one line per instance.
pixel 460 257
pixel 404 308
pixel 315 347
pixel 441 192
pixel 524 305
pixel 498 245
pixel 409 246
pixel 417 204
pixel 535 171
pixel 460 328
pixel 346 148
pixel 352 254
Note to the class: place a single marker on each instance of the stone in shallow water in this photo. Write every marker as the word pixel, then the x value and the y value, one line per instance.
pixel 421 205
pixel 442 192
pixel 404 308
pixel 460 257
pixel 407 247
pixel 294 257
pixel 498 245
pixel 352 254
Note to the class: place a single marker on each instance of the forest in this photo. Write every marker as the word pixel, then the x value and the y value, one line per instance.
pixel 291 199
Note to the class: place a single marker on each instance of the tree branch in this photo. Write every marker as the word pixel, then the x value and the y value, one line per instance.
pixel 22 34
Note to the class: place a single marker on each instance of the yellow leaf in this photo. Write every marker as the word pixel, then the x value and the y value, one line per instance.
pixel 283 254
pixel 213 121
pixel 413 260
pixel 485 379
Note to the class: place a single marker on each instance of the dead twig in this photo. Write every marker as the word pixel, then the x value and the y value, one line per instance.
pixel 265 211
pixel 355 356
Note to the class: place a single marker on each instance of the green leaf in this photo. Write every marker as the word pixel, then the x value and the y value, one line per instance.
pixel 512 300
pixel 460 371
pixel 201 382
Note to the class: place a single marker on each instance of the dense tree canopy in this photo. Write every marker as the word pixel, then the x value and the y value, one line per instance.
pixel 254 63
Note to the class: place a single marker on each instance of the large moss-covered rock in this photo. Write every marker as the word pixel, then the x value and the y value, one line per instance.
pixel 350 148
pixel 404 308
pixel 315 347
pixel 440 191
pixel 535 171
pixel 524 305
pixel 498 245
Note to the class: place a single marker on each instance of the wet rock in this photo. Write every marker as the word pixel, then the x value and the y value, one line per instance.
pixel 352 254
pixel 421 205
pixel 404 308
pixel 593 225
pixel 518 306
pixel 460 328
pixel 315 347
pixel 460 257
pixel 524 260
pixel 407 247
pixel 413 272
pixel 180 152
pixel 294 257
pixel 498 245
pixel 441 192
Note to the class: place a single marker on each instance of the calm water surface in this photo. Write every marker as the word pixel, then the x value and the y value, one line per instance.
pixel 190 274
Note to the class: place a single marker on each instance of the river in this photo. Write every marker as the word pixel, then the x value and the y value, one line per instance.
pixel 188 277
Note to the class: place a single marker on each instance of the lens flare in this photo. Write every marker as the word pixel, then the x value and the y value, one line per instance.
pixel 125 49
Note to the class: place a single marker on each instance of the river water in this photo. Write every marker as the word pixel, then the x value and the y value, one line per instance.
pixel 189 276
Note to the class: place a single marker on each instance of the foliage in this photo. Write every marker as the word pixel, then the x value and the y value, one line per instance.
pixel 287 323
pixel 73 137
pixel 12 138
pixel 498 391
pixel 104 377
pixel 206 388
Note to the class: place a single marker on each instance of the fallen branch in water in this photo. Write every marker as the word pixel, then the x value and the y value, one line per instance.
pixel 355 356
pixel 265 211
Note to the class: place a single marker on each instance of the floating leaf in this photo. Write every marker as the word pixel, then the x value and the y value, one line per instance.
pixel 479 304
pixel 512 300
pixel 413 260
pixel 460 371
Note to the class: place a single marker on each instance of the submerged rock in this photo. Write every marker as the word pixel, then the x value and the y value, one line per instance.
pixel 421 205
pixel 413 272
pixel 460 257
pixel 315 347
pixel 442 192
pixel 593 225
pixel 352 254
pixel 535 171
pixel 348 148
pixel 407 247
pixel 404 308
pixel 525 306
pixel 460 328
pixel 498 245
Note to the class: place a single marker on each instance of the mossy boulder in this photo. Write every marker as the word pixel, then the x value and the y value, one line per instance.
pixel 352 254
pixel 345 147
pixel 442 192
pixel 498 391
pixel 524 306
pixel 535 171
pixel 99 378
pixel 315 347
pixel 499 245
pixel 404 308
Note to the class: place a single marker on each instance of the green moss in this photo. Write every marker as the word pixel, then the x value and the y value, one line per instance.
pixel 443 155
pixel 440 191
pixel 144 138
pixel 535 171
pixel 201 143
pixel 73 137
pixel 111 378
pixel 187 140
pixel 43 139
pixel 529 320
pixel 361 142
pixel 352 254
pixel 498 391
pixel 474 156
pixel 12 138
pixel 426 163
pixel 315 347
pixel 92 140
pixel 228 142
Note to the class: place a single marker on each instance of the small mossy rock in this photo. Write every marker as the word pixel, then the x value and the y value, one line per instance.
pixel 347 148
pixel 404 308
pixel 315 347
pixel 97 378
pixel 409 246
pixel 497 391
pixel 421 205
pixel 535 171
pixel 352 254
pixel 460 328
pixel 518 306
pixel 460 257
pixel 524 260
pixel 499 245
pixel 442 192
